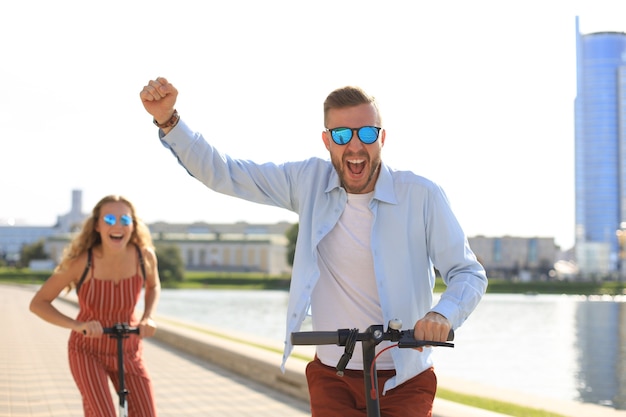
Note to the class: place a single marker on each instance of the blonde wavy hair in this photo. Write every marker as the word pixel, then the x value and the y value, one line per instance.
pixel 88 237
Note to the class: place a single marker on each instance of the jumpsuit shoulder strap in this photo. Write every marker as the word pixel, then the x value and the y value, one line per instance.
pixel 141 263
pixel 82 278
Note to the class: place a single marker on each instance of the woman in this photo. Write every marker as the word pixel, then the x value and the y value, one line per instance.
pixel 108 262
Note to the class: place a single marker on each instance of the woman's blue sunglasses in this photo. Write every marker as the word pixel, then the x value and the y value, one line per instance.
pixel 125 219
pixel 343 135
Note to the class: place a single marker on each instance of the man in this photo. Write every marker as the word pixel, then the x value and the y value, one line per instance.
pixel 368 242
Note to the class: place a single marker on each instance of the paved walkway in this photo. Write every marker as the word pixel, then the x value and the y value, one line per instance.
pixel 35 380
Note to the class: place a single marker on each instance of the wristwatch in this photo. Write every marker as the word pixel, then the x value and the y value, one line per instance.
pixel 170 123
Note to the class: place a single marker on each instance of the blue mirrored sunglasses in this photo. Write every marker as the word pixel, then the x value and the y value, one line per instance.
pixel 125 219
pixel 343 135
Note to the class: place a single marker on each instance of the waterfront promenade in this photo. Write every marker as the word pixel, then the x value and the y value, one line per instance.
pixel 35 379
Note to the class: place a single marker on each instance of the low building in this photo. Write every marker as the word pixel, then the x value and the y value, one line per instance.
pixel 523 258
pixel 228 247
pixel 238 247
pixel 14 236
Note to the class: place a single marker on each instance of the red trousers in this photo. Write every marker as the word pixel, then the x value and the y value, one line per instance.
pixel 335 396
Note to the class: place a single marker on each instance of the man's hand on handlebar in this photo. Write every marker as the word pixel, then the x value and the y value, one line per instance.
pixel 433 326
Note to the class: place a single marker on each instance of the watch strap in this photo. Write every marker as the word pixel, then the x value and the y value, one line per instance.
pixel 172 121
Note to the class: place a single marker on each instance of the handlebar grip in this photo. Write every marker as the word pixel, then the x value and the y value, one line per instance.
pixel 123 329
pixel 315 338
pixel 408 341
pixel 449 339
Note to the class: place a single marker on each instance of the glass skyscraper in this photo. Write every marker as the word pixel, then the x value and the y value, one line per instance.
pixel 600 149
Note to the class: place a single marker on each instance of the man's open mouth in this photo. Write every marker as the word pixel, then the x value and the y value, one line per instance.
pixel 356 166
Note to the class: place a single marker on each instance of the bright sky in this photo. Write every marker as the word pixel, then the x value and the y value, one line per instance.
pixel 475 95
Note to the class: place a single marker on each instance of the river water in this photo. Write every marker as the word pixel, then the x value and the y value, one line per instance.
pixel 565 347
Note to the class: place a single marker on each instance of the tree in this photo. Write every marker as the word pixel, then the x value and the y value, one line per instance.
pixel 31 252
pixel 171 265
pixel 292 237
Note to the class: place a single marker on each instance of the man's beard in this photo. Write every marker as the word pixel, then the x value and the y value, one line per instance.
pixel 340 167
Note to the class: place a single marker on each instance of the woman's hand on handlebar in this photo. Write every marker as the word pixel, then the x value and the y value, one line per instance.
pixel 433 326
pixel 90 328
pixel 147 327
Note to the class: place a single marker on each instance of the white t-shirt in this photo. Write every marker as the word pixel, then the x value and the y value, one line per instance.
pixel 346 296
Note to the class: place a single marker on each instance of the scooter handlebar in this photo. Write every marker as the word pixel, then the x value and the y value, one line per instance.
pixel 120 329
pixel 404 338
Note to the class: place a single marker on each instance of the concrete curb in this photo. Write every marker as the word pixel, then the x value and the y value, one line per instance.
pixel 258 364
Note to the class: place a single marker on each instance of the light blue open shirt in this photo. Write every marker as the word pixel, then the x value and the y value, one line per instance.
pixel 414 230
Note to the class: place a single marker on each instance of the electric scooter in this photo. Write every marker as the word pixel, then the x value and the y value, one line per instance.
pixel 120 331
pixel 369 340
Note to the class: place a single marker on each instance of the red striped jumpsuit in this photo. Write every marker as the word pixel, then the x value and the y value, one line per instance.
pixel 94 360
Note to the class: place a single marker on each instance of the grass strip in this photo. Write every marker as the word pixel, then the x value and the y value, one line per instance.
pixel 495 406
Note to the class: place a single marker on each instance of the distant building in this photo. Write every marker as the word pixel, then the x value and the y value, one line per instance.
pixel 73 221
pixel 600 151
pixel 518 258
pixel 204 247
pixel 238 247
pixel 263 247
pixel 229 247
pixel 14 236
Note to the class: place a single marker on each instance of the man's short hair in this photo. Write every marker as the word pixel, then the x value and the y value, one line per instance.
pixel 348 97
